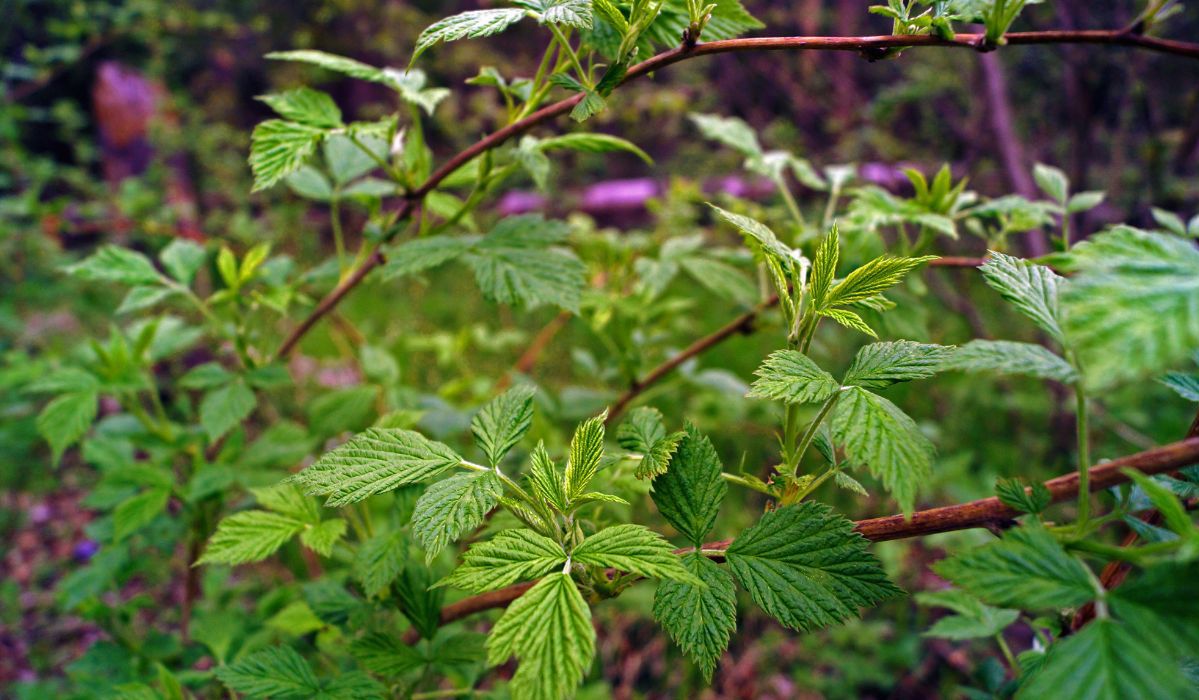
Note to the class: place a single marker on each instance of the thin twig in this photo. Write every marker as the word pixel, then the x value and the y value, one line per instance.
pixel 870 46
pixel 964 516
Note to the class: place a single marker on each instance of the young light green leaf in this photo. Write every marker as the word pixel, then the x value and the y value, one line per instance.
pixel 112 263
pixel 274 672
pixel 306 106
pixel 691 491
pixel 1027 569
pixel 468 25
pixel 1052 182
pixel 586 453
pixel 593 143
pixel 572 13
pixel 592 104
pixel 1014 494
pixel 641 429
pixel 548 630
pixel 142 298
pixel 333 62
pixel 249 536
pixel 635 549
pixel 425 253
pixel 66 419
pixel 657 460
pixel 790 376
pixel 877 435
pixel 1130 309
pixel 807 568
pixel 136 512
pixel 183 259
pixel 873 278
pixel 502 422
pixel 730 131
pixel 546 479
pixel 1009 357
pixel 824 267
pixel 225 407
pixel 848 319
pixel 700 619
pixel 321 537
pixel 452 507
pixel 1107 660
pixel 510 556
pixel 379 561
pixel 375 461
pixel 757 232
pixel 879 365
pixel 278 148
pixel 973 620
pixel 288 500
pixel 1032 289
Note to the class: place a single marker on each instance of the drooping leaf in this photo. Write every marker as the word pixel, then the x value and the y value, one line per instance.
pixel 594 143
pixel 691 491
pixel 730 131
pixel 333 62
pixel 877 435
pixel 849 319
pixel 1027 569
pixel 790 376
pixel 700 619
pixel 1009 357
pixel 375 461
pixel 510 556
pixel 635 549
pixel 453 507
pixel 251 535
pixel 641 429
pixel 807 568
pixel 548 630
pixel 1032 289
pixel 755 231
pixel 273 672
pixel 879 365
pixel 502 422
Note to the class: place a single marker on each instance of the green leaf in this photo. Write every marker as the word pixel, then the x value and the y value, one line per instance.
pixel 1130 309
pixel 425 253
pixel 514 264
pixel 321 537
pixel 113 263
pixel 1052 182
pixel 691 491
pixel 251 535
pixel 586 453
pixel 333 62
pixel 807 568
pixel 66 419
pixel 274 672
pixel 546 480
pixel 824 267
pixel 729 18
pixel 296 619
pixel 1162 603
pixel 1185 385
pixel 700 619
pixel 592 104
pixel 278 148
pixel 419 600
pixel 353 685
pixel 306 106
pixel 1107 660
pixel 453 507
pixel 510 556
pixel 635 549
pixel 790 376
pixel 375 461
pixel 721 279
pixel 657 460
pixel 641 429
pixel 848 319
pixel 572 13
pixel 467 25
pixel 1014 494
pixel 288 500
pixel 379 561
pixel 873 278
pixel 757 232
pixel 594 143
pixel 226 407
pixel 386 655
pixel 183 259
pixel 730 131
pixel 1008 357
pixel 503 422
pixel 876 434
pixel 1166 503
pixel 974 620
pixel 1084 201
pixel 1027 569
pixel 1032 289
pixel 879 365
pixel 136 512
pixel 548 630
pixel 141 298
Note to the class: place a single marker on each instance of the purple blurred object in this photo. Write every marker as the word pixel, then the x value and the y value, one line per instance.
pixel 85 550
pixel 39 513
pixel 517 202
pixel 620 194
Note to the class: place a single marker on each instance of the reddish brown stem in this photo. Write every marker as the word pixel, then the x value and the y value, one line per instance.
pixel 870 46
pixel 964 516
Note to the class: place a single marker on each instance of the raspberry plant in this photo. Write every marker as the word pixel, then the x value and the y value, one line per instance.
pixel 403 533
